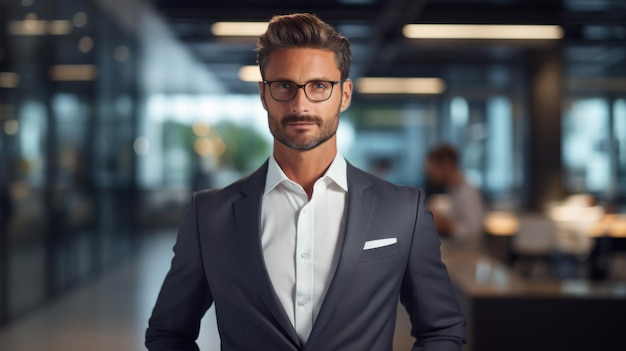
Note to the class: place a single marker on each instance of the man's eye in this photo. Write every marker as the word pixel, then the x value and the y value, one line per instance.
pixel 320 85
pixel 284 85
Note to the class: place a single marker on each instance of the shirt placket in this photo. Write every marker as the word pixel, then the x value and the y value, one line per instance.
pixel 304 270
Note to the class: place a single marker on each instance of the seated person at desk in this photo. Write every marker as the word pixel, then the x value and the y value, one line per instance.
pixel 459 213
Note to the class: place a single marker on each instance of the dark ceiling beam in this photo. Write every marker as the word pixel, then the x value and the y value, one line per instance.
pixel 595 18
pixel 264 10
pixel 460 15
pixel 388 26
pixel 548 12
pixel 386 52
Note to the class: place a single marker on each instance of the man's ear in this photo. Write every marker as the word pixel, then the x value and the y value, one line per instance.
pixel 262 94
pixel 346 94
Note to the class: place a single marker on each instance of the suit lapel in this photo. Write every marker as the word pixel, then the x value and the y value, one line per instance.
pixel 361 203
pixel 248 222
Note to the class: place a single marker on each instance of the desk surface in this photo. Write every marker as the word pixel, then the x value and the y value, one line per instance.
pixel 479 275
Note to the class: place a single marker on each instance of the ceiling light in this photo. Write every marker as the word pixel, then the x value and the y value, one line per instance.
pixel 85 44
pixel 400 86
pixel 11 127
pixel 80 19
pixel 200 129
pixel 121 53
pixel 250 74
pixel 29 26
pixel 479 31
pixel 59 27
pixel 9 80
pixel 141 146
pixel 239 29
pixel 73 72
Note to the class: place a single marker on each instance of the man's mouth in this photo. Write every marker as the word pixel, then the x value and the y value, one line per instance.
pixel 300 121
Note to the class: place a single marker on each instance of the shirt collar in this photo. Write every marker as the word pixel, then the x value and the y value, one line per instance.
pixel 337 172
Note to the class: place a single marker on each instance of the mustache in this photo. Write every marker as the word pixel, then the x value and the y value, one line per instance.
pixel 297 119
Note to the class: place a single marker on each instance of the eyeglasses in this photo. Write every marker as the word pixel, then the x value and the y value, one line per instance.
pixel 316 90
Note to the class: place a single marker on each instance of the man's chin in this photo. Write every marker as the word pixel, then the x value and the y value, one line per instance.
pixel 303 145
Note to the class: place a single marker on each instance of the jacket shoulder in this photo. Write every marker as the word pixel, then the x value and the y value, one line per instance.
pixel 255 182
pixel 223 193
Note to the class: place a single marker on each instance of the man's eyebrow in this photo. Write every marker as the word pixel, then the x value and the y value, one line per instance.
pixel 310 80
pixel 280 80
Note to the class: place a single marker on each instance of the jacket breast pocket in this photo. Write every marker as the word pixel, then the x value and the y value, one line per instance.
pixel 380 253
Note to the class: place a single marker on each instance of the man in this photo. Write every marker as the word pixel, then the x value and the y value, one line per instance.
pixel 461 218
pixel 307 253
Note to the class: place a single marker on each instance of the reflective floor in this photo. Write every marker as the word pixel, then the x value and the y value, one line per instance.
pixel 111 313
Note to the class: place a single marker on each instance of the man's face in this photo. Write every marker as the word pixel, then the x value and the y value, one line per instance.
pixel 437 172
pixel 300 123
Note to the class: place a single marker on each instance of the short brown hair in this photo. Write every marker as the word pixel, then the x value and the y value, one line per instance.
pixel 303 30
pixel 444 153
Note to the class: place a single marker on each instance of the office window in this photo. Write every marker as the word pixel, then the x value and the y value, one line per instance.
pixel 619 132
pixel 32 139
pixel 459 115
pixel 499 171
pixel 586 158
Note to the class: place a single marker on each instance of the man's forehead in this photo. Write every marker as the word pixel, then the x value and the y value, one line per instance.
pixel 309 58
pixel 305 51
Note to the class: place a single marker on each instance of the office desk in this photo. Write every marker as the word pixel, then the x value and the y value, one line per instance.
pixel 506 312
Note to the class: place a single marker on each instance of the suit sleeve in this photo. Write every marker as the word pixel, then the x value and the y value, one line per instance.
pixel 427 293
pixel 185 295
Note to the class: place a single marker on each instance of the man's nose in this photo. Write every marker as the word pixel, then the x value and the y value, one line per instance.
pixel 300 103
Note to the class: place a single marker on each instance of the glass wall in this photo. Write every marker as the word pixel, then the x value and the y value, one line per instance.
pixel 594 132
pixel 594 118
pixel 585 145
pixel 67 123
pixel 391 138
pixel 619 133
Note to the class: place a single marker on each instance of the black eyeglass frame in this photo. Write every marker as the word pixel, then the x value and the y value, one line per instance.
pixel 302 86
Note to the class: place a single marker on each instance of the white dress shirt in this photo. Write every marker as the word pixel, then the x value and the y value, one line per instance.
pixel 467 214
pixel 302 239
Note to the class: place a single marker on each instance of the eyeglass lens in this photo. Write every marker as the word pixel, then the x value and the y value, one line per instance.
pixel 315 90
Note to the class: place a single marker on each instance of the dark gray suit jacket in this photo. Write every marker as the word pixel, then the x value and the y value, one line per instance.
pixel 218 259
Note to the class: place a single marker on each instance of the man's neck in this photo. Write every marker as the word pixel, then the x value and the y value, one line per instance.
pixel 305 167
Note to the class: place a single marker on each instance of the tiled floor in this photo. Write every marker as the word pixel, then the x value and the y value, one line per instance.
pixel 111 313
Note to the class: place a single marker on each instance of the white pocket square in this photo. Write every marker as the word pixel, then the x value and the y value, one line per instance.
pixel 374 244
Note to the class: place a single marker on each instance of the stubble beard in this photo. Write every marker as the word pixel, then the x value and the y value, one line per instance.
pixel 326 132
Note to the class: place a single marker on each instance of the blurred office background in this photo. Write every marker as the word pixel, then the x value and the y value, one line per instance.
pixel 113 111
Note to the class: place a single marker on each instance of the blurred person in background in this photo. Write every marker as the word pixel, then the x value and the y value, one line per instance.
pixel 459 213
pixel 308 252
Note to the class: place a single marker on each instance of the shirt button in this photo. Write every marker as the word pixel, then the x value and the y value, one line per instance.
pixel 305 255
pixel 303 302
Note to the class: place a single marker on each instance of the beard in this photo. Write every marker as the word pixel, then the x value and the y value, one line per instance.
pixel 298 141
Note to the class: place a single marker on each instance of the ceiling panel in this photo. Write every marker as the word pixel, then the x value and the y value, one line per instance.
pixel 375 30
